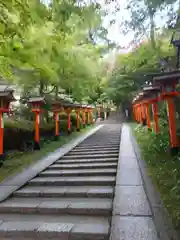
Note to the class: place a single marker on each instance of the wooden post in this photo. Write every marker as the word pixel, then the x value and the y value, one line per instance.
pixel 69 120
pixel 99 112
pixel 134 116
pixel 83 117
pixel 135 113
pixel 88 116
pixel 140 114
pixel 91 116
pixel 77 120
pixel 56 125
pixel 1 137
pixel 143 115
pixel 155 117
pixel 172 122
pixel 36 137
pixel 148 119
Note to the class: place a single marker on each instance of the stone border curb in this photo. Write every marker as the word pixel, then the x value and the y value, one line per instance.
pixel 7 187
pixel 114 189
pixel 163 223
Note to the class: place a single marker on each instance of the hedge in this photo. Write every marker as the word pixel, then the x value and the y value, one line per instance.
pixel 19 134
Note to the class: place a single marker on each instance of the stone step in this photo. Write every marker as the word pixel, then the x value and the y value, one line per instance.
pixel 71 199
pixel 75 181
pixel 89 155
pixel 70 206
pixel 101 141
pixel 78 172
pixel 96 160
pixel 93 152
pixel 96 149
pixel 32 230
pixel 68 191
pixel 83 166
pixel 56 218
pixel 97 146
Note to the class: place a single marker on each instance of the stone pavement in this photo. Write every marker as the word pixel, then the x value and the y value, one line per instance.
pixel 132 217
pixel 70 198
pixel 89 190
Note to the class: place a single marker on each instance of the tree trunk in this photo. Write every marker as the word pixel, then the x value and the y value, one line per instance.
pixel 152 27
pixel 152 32
pixel 56 92
pixel 41 87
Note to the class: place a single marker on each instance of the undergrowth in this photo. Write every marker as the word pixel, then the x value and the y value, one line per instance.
pixel 164 169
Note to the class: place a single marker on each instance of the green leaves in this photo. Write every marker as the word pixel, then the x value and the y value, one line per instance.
pixel 131 69
pixel 50 46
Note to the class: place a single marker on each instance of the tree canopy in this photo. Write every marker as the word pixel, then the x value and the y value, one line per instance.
pixel 46 47
pixel 131 69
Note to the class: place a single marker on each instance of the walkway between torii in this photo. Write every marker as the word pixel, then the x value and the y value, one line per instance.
pixel 73 198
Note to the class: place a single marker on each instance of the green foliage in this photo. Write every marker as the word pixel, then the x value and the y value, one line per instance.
pixel 163 168
pixel 42 47
pixel 142 18
pixel 131 69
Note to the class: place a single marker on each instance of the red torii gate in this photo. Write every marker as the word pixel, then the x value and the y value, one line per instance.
pixel 151 98
pixel 163 89
pixel 37 104
pixel 168 82
pixel 6 97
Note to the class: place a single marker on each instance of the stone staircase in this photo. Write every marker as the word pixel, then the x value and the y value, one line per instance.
pixel 71 199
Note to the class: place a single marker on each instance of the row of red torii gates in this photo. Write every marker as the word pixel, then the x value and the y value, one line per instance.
pixel 163 88
pixel 57 107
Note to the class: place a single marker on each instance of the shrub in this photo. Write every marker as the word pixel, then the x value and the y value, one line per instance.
pixel 164 169
pixel 22 132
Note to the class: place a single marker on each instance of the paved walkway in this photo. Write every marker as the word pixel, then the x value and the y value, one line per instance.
pixel 71 197
pixel 132 217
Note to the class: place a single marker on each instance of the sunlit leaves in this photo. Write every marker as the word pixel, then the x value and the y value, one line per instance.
pixel 131 69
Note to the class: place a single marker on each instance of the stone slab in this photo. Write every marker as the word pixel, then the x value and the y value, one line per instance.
pixel 6 191
pixel 15 182
pixel 75 181
pixel 28 230
pixel 89 156
pixel 162 220
pixel 83 166
pixel 51 230
pixel 95 147
pixel 127 162
pixel 129 176
pixel 91 208
pixel 28 192
pixel 102 191
pixel 90 231
pixel 90 149
pixel 96 160
pixel 133 228
pixel 127 151
pixel 18 228
pixel 52 207
pixel 68 191
pixel 97 151
pixel 131 200
pixel 126 147
pixel 15 205
pixel 82 172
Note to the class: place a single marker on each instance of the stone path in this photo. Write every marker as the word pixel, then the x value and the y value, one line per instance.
pixel 132 217
pixel 72 199
pixel 94 192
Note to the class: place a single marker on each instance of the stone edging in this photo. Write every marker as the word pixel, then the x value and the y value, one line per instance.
pixel 161 218
pixel 7 187
pixel 111 237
